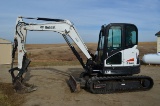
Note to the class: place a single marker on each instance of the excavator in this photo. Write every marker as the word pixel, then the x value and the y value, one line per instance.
pixel 111 69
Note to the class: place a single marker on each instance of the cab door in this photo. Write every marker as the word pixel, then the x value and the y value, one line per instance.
pixel 115 52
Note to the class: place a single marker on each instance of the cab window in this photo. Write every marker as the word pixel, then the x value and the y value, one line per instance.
pixel 131 36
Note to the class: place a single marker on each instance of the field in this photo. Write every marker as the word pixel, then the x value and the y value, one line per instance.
pixel 60 54
pixel 49 70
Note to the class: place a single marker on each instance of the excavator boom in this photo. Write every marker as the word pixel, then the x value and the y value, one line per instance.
pixel 64 27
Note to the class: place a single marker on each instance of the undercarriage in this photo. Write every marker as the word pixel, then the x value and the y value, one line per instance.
pixel 111 84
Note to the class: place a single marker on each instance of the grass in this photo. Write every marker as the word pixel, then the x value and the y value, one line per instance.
pixel 8 97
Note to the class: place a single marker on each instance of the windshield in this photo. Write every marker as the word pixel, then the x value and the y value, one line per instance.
pixel 100 47
pixel 101 41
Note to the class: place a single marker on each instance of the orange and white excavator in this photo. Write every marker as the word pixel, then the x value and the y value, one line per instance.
pixel 110 70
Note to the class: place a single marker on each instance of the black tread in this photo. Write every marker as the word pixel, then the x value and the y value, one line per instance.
pixel 113 84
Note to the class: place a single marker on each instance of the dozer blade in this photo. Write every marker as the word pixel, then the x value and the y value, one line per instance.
pixel 23 87
pixel 74 84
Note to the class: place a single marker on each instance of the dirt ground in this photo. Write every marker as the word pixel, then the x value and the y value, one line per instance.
pixel 51 79
pixel 54 91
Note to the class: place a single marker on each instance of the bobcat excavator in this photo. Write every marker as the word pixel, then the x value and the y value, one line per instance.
pixel 110 70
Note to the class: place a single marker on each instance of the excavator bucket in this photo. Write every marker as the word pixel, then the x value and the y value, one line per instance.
pixel 21 87
pixel 74 84
pixel 17 80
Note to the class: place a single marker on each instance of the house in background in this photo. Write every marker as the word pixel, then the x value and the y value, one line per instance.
pixel 158 41
pixel 5 51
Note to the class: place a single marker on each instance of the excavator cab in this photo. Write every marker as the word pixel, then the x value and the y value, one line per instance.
pixel 116 51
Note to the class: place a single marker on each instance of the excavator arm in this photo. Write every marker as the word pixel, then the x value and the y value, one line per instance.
pixel 63 27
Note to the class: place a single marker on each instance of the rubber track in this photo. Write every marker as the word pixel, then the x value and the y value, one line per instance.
pixel 119 84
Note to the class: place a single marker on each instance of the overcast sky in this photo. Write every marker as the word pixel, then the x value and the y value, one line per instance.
pixel 87 16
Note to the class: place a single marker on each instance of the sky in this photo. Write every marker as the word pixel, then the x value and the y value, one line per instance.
pixel 87 15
